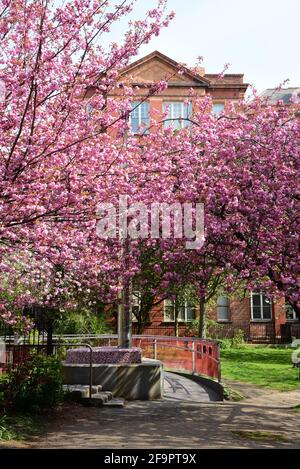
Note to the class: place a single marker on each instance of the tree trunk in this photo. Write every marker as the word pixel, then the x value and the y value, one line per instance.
pixel 176 312
pixel 124 309
pixel 281 287
pixel 141 321
pixel 296 309
pixel 139 326
pixel 125 320
pixel 50 338
pixel 202 319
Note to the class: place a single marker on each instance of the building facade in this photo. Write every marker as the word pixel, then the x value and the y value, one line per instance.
pixel 260 318
pixel 157 67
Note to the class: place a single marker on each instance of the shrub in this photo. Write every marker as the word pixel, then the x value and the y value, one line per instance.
pixel 83 322
pixel 238 341
pixel 4 380
pixel 212 328
pixel 36 383
pixel 225 343
pixel 5 432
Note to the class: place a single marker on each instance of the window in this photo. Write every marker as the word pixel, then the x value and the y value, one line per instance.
pixel 218 108
pixel 290 313
pixel 177 111
pixel 89 108
pixel 223 308
pixel 261 306
pixel 140 117
pixel 186 313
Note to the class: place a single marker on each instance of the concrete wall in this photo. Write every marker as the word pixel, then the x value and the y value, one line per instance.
pixel 141 381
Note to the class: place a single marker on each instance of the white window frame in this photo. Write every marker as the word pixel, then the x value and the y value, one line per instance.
pixel 223 306
pixel 289 306
pixel 137 108
pixel 168 106
pixel 262 319
pixel 186 306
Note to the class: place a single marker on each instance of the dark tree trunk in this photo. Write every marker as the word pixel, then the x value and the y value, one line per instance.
pixel 124 311
pixel 296 309
pixel 147 302
pixel 202 319
pixel 125 320
pixel 50 338
pixel 281 287
pixel 176 312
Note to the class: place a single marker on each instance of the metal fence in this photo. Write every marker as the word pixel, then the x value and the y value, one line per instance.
pixel 252 332
pixel 255 332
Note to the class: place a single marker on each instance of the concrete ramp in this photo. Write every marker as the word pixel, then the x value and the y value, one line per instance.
pixel 180 388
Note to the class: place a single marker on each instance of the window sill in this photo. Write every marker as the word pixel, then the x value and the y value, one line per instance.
pixel 179 322
pixel 224 321
pixel 261 321
pixel 139 134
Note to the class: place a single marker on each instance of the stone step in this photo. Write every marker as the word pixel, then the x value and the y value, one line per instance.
pixel 99 399
pixel 80 391
pixel 115 402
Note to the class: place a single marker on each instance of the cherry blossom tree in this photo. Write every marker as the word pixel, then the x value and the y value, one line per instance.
pixel 55 149
pixel 244 167
pixel 66 148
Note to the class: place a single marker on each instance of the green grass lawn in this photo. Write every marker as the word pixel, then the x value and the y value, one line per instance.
pixel 263 366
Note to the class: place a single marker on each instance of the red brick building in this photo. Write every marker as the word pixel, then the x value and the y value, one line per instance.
pixel 156 67
pixel 259 317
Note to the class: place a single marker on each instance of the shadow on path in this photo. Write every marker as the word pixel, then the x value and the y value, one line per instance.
pixel 187 418
pixel 184 389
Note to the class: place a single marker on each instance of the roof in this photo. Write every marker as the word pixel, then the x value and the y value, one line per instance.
pixel 273 95
pixel 158 55
pixel 212 81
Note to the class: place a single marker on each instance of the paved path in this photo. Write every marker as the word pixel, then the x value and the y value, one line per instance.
pixel 177 387
pixel 177 423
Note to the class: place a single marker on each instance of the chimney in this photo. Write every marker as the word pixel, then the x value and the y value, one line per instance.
pixel 200 71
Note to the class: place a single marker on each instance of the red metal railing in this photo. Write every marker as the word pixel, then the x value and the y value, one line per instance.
pixel 184 353
pixel 177 353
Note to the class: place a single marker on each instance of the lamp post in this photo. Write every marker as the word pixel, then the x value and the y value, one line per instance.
pixel 124 307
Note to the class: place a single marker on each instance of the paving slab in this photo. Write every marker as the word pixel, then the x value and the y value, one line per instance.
pixel 176 423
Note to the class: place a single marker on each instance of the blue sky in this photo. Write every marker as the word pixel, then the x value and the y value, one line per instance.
pixel 260 38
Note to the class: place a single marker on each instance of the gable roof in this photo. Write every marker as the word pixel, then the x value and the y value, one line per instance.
pixel 199 80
